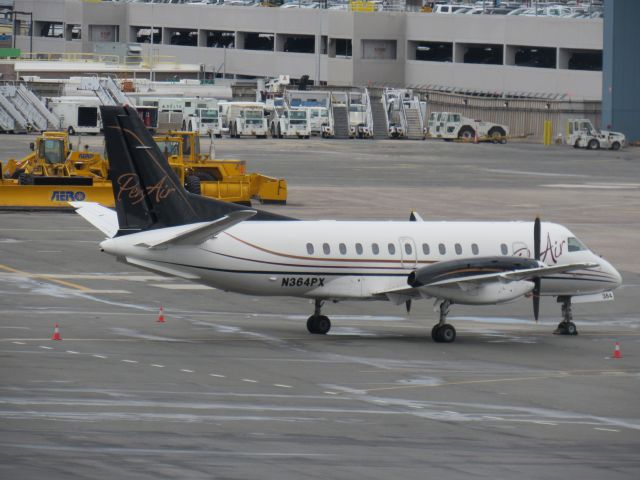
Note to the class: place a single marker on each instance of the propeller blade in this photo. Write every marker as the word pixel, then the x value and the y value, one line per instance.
pixel 536 254
pixel 536 298
pixel 536 239
pixel 407 304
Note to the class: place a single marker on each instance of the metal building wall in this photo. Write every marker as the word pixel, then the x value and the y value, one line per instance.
pixel 621 68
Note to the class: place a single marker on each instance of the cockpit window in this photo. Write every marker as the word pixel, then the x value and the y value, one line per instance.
pixel 575 245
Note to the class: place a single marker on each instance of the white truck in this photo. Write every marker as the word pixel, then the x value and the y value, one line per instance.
pixel 243 118
pixel 288 122
pixel 80 114
pixel 205 121
pixel 451 126
pixel 582 134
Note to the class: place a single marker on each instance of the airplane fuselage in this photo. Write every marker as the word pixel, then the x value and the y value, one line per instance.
pixel 357 260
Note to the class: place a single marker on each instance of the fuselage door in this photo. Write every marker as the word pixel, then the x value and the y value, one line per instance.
pixel 408 253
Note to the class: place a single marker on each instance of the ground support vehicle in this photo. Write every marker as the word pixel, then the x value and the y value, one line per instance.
pixel 53 174
pixel 453 126
pixel 244 119
pixel 291 123
pixel 77 114
pixel 223 179
pixel 205 121
pixel 582 134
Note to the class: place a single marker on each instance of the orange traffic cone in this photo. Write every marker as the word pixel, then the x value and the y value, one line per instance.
pixel 616 351
pixel 160 316
pixel 56 333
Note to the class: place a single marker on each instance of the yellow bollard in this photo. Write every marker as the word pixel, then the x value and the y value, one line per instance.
pixel 547 136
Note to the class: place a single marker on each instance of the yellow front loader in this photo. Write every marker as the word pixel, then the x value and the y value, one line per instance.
pixel 53 175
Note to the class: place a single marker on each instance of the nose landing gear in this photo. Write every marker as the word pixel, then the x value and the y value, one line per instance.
pixel 566 326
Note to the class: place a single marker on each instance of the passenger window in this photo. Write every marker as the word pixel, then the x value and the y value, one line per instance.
pixel 407 249
pixel 375 249
pixel 343 248
pixel 359 248
pixel 458 248
pixel 392 248
pixel 310 248
pixel 442 249
pixel 474 249
pixel 425 248
pixel 504 249
pixel 326 248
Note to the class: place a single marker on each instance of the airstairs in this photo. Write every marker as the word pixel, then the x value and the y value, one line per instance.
pixel 379 116
pixel 340 114
pixel 405 113
pixel 106 90
pixel 21 110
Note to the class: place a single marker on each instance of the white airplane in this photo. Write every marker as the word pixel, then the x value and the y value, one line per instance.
pixel 160 226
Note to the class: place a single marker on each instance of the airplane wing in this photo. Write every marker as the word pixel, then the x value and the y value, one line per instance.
pixel 103 218
pixel 511 276
pixel 201 232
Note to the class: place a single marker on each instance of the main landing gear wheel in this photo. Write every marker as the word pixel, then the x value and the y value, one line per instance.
pixel 443 332
pixel 566 326
pixel 318 323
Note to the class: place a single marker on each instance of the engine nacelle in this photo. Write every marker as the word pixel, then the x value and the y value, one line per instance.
pixel 474 293
pixel 481 294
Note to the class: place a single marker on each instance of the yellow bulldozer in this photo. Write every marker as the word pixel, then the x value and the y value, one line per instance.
pixel 224 179
pixel 54 174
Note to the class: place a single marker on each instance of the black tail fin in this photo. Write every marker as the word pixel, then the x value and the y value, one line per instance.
pixel 147 192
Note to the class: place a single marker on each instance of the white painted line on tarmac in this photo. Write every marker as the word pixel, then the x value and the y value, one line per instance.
pixel 90 290
pixel 281 385
pixel 217 375
pixel 249 380
pixel 48 251
pixel 130 361
pixel 73 352
pixel 19 343
pixel 181 286
pixel 186 370
pixel 100 356
pixel 606 429
pixel 46 348
pixel 330 393
pixel 156 365
pixel 492 418
pixel 539 422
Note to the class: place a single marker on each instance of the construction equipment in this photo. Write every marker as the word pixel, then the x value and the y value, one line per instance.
pixel 223 179
pixel 54 174
pixel 453 126
pixel 582 134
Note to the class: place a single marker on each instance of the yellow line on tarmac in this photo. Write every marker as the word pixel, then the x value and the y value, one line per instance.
pixel 64 283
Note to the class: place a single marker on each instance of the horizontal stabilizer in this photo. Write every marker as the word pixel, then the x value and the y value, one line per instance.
pixel 103 218
pixel 201 232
